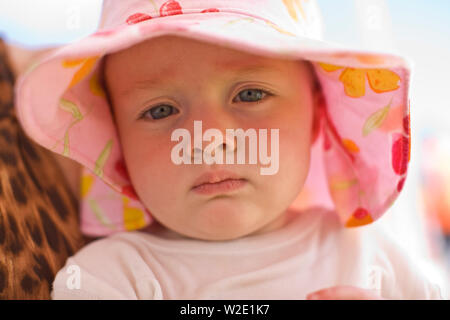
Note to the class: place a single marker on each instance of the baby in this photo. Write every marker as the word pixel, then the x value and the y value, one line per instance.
pixel 234 239
pixel 219 136
pixel 189 81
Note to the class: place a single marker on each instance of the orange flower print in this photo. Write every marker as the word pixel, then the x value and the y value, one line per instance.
pixel 291 4
pixel 270 24
pixel 329 67
pixel 382 80
pixel 280 30
pixel 87 65
pixel 239 20
pixel 359 218
pixel 133 218
pixel 369 58
pixel 354 80
pixel 95 86
pixel 350 145
pixel 87 181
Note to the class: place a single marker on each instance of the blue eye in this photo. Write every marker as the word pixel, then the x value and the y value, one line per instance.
pixel 162 111
pixel 254 95
pixel 159 112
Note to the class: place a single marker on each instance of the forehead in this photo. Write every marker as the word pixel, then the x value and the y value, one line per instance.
pixel 164 60
pixel 169 53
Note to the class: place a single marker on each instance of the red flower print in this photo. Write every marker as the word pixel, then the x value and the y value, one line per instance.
pixel 400 155
pixel 360 213
pixel 359 217
pixel 129 192
pixel 122 169
pixel 170 8
pixel 210 10
pixel 326 142
pixel 400 184
pixel 406 127
pixel 137 17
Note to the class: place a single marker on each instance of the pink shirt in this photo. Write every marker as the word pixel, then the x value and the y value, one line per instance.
pixel 312 251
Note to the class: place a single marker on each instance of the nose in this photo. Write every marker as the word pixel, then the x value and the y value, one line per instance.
pixel 217 121
pixel 228 146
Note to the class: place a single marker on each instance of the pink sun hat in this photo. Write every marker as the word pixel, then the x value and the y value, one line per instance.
pixel 358 162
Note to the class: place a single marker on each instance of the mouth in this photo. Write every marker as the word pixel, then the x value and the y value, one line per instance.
pixel 218 182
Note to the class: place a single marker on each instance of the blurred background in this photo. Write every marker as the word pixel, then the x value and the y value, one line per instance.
pixel 418 29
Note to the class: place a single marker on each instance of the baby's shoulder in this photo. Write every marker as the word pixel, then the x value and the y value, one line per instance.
pixel 120 254
pixel 114 246
pixel 108 268
pixel 319 220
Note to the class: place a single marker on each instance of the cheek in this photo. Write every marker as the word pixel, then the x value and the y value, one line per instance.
pixel 295 143
pixel 148 163
pixel 295 147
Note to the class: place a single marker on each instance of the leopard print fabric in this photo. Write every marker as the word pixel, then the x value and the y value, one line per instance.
pixel 39 226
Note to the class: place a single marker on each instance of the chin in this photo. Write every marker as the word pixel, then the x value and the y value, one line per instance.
pixel 221 235
pixel 223 219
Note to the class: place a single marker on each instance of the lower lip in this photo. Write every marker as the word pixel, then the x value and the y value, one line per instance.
pixel 220 187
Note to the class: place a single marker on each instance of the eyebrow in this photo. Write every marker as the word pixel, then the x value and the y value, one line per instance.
pixel 232 68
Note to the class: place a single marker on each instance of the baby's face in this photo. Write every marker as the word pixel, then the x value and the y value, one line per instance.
pixel 168 83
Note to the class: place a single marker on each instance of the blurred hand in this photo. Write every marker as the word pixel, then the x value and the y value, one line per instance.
pixel 343 293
